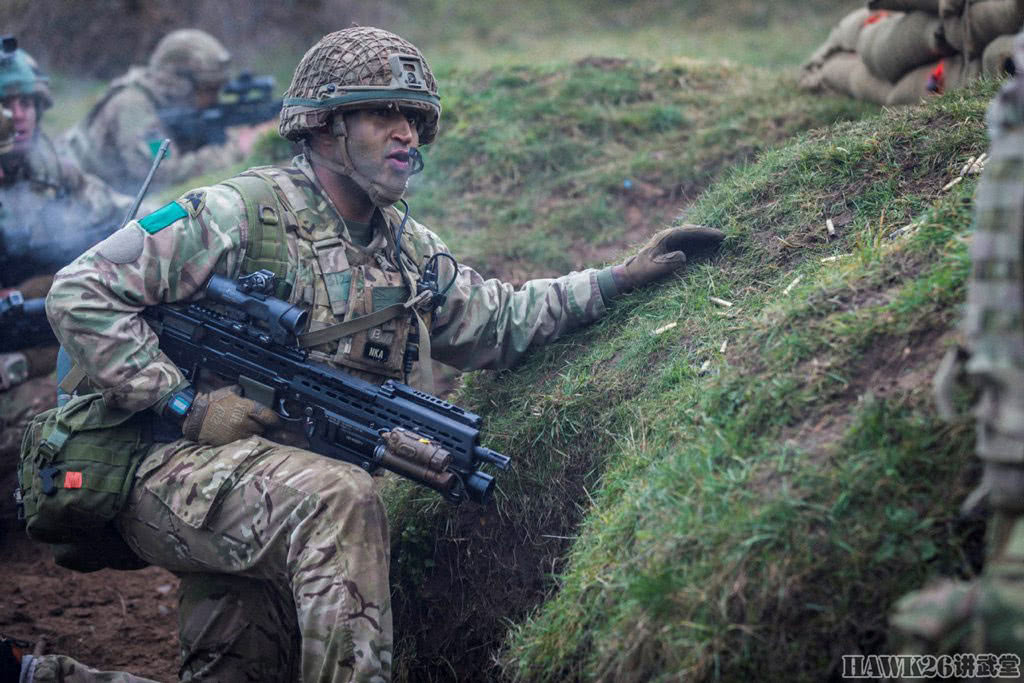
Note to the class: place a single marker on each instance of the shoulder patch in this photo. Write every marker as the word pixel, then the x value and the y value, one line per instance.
pixel 124 246
pixel 162 217
pixel 193 202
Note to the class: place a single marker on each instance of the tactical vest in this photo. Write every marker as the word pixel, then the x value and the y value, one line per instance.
pixel 336 281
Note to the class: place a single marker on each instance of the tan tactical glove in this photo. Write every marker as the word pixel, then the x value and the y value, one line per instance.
pixel 664 253
pixel 222 416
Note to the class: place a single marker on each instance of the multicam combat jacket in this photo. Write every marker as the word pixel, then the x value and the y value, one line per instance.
pixel 169 255
pixel 120 135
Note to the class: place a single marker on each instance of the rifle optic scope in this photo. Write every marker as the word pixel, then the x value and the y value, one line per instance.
pixel 284 320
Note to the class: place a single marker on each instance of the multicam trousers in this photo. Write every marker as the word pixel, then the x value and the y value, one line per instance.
pixel 283 559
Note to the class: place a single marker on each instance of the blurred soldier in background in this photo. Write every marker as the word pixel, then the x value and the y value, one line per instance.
pixel 284 554
pixel 50 212
pixel 33 165
pixel 986 616
pixel 118 138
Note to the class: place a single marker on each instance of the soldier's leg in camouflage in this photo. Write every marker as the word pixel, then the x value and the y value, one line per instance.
pixel 236 629
pixel 314 529
pixel 61 669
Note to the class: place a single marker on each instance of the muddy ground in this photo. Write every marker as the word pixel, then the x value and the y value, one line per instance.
pixel 112 620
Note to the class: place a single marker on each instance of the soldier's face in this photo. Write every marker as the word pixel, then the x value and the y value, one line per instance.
pixel 205 96
pixel 23 110
pixel 379 141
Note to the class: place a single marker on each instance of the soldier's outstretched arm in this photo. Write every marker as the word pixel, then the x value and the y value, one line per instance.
pixel 167 256
pixel 490 323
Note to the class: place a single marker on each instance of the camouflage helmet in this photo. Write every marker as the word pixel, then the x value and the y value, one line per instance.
pixel 193 55
pixel 6 131
pixel 20 75
pixel 356 67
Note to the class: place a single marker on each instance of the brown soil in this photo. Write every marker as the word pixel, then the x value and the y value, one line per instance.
pixel 110 620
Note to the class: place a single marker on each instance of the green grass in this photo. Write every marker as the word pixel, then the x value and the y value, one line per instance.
pixel 742 496
pixel 745 495
pixel 494 34
pixel 557 155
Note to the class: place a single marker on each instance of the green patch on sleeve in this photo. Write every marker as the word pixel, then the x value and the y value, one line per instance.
pixel 162 217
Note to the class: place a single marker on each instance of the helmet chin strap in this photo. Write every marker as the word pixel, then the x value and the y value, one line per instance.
pixel 381 195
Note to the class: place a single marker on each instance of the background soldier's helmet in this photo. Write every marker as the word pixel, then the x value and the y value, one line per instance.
pixel 355 68
pixel 6 131
pixel 20 75
pixel 192 55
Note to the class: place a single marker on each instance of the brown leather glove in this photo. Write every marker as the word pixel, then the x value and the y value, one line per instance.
pixel 222 416
pixel 664 253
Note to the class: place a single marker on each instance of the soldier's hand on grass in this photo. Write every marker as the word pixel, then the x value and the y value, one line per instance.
pixel 222 416
pixel 664 253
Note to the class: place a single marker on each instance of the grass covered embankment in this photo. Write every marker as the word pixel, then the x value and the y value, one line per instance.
pixel 709 491
pixel 541 170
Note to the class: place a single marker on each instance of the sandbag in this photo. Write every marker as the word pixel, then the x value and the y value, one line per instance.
pixel 946 75
pixel 997 59
pixel 951 8
pixel 962 71
pixel 811 79
pixel 986 20
pixel 842 38
pixel 957 72
pixel 930 6
pixel 836 72
pixel 913 86
pixel 866 86
pixel 901 42
pixel 952 32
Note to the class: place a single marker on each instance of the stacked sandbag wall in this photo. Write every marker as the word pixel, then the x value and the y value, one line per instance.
pixel 900 51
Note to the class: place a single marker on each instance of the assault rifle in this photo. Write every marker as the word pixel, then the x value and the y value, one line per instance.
pixel 244 100
pixel 252 341
pixel 23 324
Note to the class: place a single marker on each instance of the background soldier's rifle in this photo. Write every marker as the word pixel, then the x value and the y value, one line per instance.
pixel 23 324
pixel 244 100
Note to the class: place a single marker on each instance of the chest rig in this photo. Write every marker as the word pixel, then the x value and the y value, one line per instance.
pixel 365 312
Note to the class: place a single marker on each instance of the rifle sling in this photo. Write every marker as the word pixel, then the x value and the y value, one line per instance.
pixel 350 327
